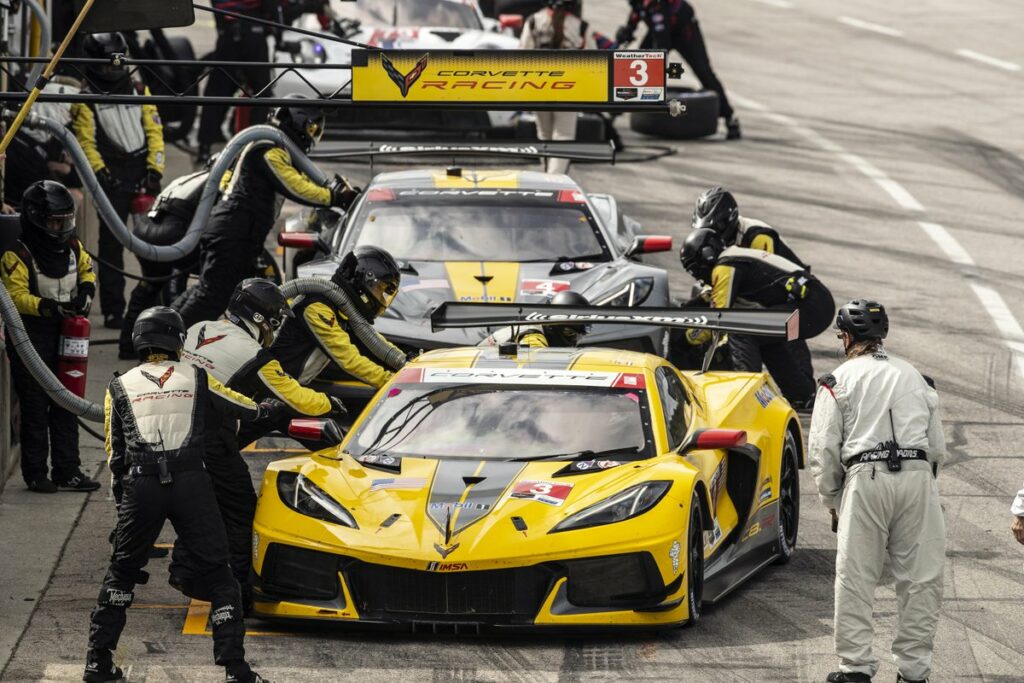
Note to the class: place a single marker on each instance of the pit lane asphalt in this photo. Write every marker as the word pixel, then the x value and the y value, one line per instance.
pixel 945 127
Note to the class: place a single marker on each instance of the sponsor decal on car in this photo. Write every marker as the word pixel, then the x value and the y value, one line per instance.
pixel 477 192
pixel 460 506
pixel 715 484
pixel 694 321
pixel 581 466
pixel 548 492
pixel 571 266
pixel 673 554
pixel 639 73
pixel 447 566
pixel 544 287
pixel 398 484
pixel 626 94
pixel 711 538
pixel 766 490
pixel 764 395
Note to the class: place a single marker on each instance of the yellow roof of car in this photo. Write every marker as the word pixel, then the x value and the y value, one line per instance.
pixel 542 359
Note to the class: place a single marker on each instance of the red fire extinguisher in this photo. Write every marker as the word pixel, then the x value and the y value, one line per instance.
pixel 73 353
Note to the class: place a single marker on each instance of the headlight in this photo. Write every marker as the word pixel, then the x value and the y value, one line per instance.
pixel 633 293
pixel 310 52
pixel 305 497
pixel 624 505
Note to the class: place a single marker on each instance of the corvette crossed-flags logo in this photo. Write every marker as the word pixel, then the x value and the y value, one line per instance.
pixel 404 81
pixel 162 380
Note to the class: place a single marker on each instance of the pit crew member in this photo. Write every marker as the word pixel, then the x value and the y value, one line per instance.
pixel 155 418
pixel 234 351
pixel 751 278
pixel 559 26
pixel 672 24
pixel 49 277
pixel 124 144
pixel 875 447
pixel 262 178
pixel 717 209
pixel 320 334
pixel 1017 510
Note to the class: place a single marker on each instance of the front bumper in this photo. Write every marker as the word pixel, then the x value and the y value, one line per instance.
pixel 614 590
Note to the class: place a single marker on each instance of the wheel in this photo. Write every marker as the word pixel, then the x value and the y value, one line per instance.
pixel 789 499
pixel 695 563
pixel 178 119
pixel 699 120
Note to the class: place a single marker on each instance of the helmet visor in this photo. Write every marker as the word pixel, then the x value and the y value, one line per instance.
pixel 60 226
pixel 383 292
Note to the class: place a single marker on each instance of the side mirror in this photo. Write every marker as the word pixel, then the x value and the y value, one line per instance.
pixel 711 439
pixel 649 244
pixel 315 433
pixel 511 22
pixel 303 241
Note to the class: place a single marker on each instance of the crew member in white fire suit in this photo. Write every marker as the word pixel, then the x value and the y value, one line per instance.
pixel 235 352
pixel 556 27
pixel 875 448
pixel 1017 510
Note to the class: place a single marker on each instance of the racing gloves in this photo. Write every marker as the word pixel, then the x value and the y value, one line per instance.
pixel 83 299
pixel 107 179
pixel 153 182
pixel 342 193
pixel 338 410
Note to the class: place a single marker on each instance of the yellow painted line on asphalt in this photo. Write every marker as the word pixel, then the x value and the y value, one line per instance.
pixel 199 615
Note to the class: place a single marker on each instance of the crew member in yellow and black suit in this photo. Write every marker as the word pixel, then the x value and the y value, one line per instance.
pixel 320 335
pixel 124 144
pixel 752 278
pixel 234 350
pixel 49 277
pixel 261 179
pixel 156 419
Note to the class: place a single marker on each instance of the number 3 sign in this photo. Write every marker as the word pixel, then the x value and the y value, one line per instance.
pixel 639 76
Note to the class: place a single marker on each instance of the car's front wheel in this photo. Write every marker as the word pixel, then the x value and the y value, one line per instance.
pixel 695 563
pixel 789 499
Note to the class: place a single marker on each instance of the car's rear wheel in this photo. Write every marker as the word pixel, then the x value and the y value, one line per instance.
pixel 789 499
pixel 695 563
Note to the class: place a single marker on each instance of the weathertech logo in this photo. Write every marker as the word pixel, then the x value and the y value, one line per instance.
pixel 203 341
pixel 161 381
pixel 404 81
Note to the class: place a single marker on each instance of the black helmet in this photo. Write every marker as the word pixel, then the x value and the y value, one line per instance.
pixel 567 335
pixel 373 275
pixel 47 206
pixel 717 209
pixel 863 319
pixel 700 251
pixel 259 301
pixel 571 6
pixel 105 46
pixel 303 122
pixel 158 329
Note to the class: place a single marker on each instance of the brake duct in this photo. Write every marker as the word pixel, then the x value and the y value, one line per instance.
pixel 190 241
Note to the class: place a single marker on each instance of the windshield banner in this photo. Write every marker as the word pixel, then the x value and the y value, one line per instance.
pixel 492 76
pixel 527 376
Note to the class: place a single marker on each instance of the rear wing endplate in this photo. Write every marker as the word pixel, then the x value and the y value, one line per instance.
pixel 574 151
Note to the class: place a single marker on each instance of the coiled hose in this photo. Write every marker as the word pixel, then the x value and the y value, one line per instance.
pixel 392 357
pixel 188 243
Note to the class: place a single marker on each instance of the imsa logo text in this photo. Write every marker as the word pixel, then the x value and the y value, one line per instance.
pixel 447 566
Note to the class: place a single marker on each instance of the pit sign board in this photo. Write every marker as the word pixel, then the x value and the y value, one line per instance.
pixel 504 76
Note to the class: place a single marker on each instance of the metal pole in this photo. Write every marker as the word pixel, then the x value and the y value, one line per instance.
pixel 47 73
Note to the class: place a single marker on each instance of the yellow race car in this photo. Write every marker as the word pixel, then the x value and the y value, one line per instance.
pixel 511 487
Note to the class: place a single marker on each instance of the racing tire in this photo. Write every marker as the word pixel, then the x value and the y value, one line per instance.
pixel 178 119
pixel 789 499
pixel 695 563
pixel 700 119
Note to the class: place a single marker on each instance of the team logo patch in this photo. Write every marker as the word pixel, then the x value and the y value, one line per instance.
pixel 327 321
pixel 404 81
pixel 11 268
pixel 159 381
pixel 203 340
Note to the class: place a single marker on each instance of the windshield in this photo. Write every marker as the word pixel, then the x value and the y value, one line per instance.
pixel 501 422
pixel 441 13
pixel 481 232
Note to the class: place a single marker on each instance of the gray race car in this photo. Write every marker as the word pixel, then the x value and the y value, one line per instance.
pixel 497 236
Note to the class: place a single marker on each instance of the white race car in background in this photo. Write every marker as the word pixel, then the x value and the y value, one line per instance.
pixel 393 25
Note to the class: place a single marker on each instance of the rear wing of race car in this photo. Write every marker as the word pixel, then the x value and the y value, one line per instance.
pixel 563 149
pixel 781 324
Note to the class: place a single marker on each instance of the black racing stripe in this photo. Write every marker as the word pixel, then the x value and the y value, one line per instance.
pixel 447 488
pixel 483 497
pixel 481 482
